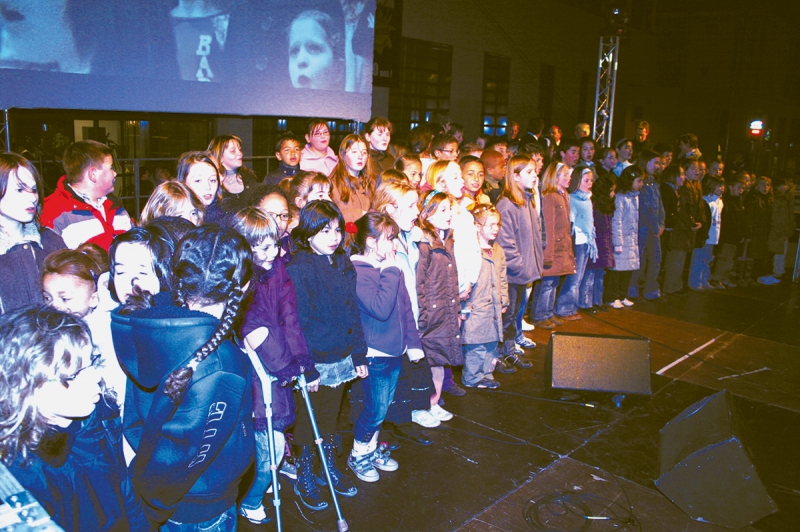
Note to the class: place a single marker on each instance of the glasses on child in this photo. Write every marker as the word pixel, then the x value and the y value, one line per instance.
pixel 282 216
pixel 95 361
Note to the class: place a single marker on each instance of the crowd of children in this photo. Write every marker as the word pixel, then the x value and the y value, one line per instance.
pixel 378 268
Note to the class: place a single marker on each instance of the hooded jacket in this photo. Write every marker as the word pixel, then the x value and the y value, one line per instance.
pixel 78 474
pixel 192 455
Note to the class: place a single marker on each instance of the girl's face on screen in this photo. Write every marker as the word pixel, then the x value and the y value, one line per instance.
pixel 310 56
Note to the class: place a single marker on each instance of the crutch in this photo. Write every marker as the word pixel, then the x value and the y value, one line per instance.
pixel 303 385
pixel 266 391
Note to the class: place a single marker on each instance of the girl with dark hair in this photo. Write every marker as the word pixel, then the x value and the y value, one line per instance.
pixel 317 155
pixel 591 292
pixel 390 330
pixel 24 244
pixel 411 166
pixel 353 186
pixel 325 285
pixel 700 269
pixel 59 431
pixel 606 161
pixel 272 329
pixel 236 178
pixel 644 281
pixel 189 405
pixel 198 170
pixel 437 292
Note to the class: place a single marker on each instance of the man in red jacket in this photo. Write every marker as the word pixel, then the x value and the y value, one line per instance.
pixel 83 208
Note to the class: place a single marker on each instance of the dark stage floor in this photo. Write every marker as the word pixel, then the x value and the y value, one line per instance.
pixel 507 446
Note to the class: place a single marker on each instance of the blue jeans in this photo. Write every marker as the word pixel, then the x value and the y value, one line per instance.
pixel 547 298
pixel 591 292
pixel 478 362
pixel 522 308
pixel 567 303
pixel 225 522
pixel 649 265
pixel 263 477
pixel 699 270
pixel 379 388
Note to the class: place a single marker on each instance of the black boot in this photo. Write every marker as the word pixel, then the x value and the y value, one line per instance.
pixel 333 447
pixel 305 487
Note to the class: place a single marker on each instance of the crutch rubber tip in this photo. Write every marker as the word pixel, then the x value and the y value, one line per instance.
pixel 342 524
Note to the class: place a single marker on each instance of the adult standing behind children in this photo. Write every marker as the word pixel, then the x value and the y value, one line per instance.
pixel 317 155
pixel 83 207
pixel 23 244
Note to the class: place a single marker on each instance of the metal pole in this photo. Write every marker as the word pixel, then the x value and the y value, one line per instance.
pixel 615 59
pixel 5 126
pixel 597 88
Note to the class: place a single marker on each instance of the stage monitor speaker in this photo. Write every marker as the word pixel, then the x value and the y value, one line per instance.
pixel 706 471
pixel 598 363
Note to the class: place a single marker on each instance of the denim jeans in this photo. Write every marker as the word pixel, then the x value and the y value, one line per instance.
pixel 478 362
pixel 567 302
pixel 225 522
pixel 379 388
pixel 547 298
pixel 522 307
pixel 723 263
pixel 699 271
pixel 650 264
pixel 673 271
pixel 263 476
pixel 516 295
pixel 591 292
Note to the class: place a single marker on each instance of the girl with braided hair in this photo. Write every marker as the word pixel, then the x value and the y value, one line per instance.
pixel 189 404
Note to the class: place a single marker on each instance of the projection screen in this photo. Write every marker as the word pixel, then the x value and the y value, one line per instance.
pixel 242 57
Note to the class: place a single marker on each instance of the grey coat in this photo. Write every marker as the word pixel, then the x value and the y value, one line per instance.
pixel 521 240
pixel 484 322
pixel 625 231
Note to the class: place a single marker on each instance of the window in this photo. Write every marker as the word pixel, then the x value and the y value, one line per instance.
pixel 424 84
pixel 496 78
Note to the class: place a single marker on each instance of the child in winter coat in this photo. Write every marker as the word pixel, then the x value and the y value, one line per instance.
pixel 437 292
pixel 731 234
pixel 61 432
pixel 390 332
pixel 482 328
pixel 271 328
pixel 783 223
pixel 625 236
pixel 700 272
pixel 559 257
pixel 325 284
pixel 603 192
pixel 758 216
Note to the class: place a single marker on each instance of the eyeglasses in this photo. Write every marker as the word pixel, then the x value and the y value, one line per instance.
pixel 321 134
pixel 95 361
pixel 283 216
pixel 451 152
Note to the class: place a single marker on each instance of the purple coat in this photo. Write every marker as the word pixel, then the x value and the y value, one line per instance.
pixel 284 353
pixel 605 246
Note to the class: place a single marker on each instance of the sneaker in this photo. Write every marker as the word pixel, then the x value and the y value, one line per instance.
pixel 518 350
pixel 527 327
pixel 556 321
pixel 381 460
pixel 524 342
pixel 774 280
pixel 504 367
pixel 456 390
pixel 425 419
pixel 440 413
pixel 363 468
pixel 616 304
pixel 484 384
pixel 491 384
pixel 545 324
pixel 288 470
pixel 627 302
pixel 765 280
pixel 519 362
pixel 729 284
pixel 257 516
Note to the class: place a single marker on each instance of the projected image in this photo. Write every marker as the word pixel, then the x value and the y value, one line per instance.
pixel 259 50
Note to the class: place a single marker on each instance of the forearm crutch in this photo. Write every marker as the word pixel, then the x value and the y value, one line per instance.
pixel 266 392
pixel 303 385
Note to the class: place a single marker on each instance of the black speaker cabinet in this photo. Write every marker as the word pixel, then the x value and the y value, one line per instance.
pixel 705 469
pixel 598 363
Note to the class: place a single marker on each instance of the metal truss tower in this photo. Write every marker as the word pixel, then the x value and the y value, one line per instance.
pixel 606 89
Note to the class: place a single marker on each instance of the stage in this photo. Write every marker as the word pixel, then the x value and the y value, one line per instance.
pixel 514 444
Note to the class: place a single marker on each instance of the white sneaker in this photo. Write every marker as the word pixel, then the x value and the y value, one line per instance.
pixel 774 280
pixel 627 302
pixel 425 418
pixel 440 413
pixel 616 304
pixel 765 280
pixel 527 327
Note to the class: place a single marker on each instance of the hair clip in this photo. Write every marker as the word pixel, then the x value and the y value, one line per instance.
pixel 430 196
pixel 351 228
